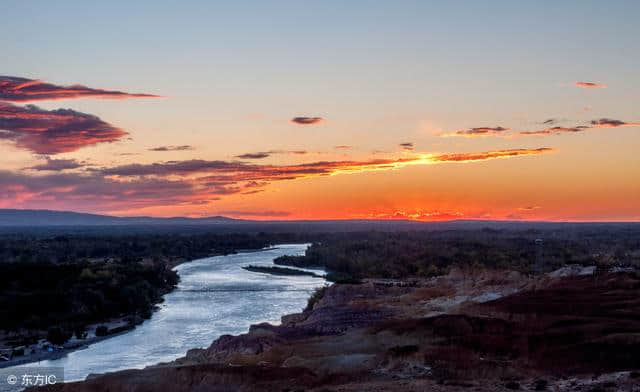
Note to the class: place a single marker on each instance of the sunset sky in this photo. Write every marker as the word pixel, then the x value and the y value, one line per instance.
pixel 426 110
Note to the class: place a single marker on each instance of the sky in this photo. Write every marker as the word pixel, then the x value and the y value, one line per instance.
pixel 424 110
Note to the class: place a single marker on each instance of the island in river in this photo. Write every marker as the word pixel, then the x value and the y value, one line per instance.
pixel 280 271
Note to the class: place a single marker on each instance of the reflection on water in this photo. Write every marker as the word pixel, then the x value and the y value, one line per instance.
pixel 215 297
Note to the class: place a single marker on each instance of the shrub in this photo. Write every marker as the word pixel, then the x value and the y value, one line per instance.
pixel 540 385
pixel 57 335
pixel 401 351
pixel 102 330
pixel 342 278
pixel 317 295
pixel 79 332
pixel 512 385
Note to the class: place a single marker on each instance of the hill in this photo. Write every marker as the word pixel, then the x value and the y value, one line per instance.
pixel 14 217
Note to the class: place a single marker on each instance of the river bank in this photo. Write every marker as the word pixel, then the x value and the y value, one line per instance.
pixel 42 350
pixel 42 354
pixel 480 329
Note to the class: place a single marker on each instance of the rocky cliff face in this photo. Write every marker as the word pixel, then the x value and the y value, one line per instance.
pixel 485 329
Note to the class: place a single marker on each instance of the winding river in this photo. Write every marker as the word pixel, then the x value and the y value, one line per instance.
pixel 215 297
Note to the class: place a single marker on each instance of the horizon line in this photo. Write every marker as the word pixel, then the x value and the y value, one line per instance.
pixel 312 220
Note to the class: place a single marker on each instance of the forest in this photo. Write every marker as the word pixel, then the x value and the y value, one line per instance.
pixel 56 285
pixel 429 253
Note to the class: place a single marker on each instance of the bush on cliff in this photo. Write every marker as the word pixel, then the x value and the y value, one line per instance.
pixel 315 297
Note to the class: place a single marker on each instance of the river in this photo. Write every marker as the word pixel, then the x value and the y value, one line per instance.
pixel 215 296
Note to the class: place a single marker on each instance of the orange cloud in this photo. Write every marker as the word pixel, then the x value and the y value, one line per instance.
pixel 590 85
pixel 412 215
pixel 194 182
pixel 483 156
pixel 16 89
pixel 235 171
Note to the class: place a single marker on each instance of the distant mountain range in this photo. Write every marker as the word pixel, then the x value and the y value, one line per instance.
pixel 48 218
pixel 10 217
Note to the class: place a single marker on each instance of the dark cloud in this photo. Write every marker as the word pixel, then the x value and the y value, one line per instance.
pixel 91 192
pixel 479 131
pixel 266 154
pixel 254 155
pixel 555 130
pixel 174 168
pixel 306 120
pixel 53 131
pixel 406 146
pixel 599 123
pixel 342 147
pixel 549 121
pixel 254 184
pixel 590 85
pixel 57 165
pixel 610 123
pixel 239 171
pixel 253 192
pixel 16 89
pixel 172 148
pixel 223 189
